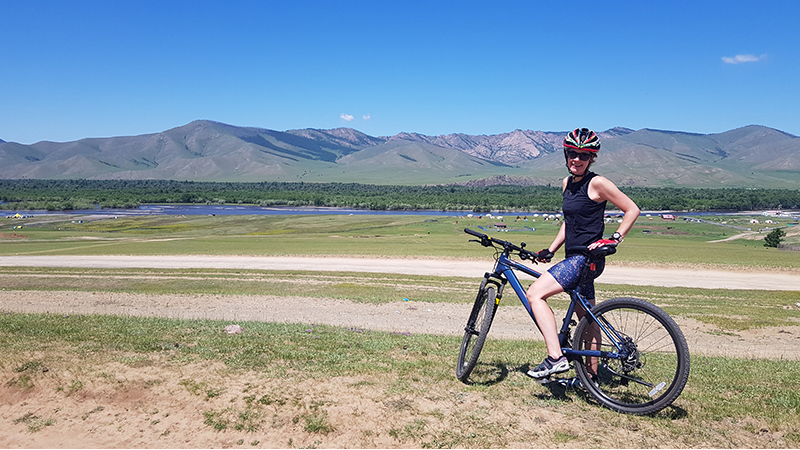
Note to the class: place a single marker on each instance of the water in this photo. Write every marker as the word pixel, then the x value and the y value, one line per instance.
pixel 234 210
pixel 241 210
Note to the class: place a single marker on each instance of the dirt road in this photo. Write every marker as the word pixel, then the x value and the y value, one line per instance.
pixel 149 404
pixel 614 274
pixel 431 318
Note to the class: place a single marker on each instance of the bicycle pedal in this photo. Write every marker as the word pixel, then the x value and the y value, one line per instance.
pixel 570 383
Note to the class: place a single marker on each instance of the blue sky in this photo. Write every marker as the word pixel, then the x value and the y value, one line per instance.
pixel 75 69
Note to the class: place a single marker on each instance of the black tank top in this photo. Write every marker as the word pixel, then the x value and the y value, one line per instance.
pixel 582 215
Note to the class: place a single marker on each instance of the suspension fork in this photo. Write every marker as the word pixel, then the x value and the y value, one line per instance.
pixel 496 279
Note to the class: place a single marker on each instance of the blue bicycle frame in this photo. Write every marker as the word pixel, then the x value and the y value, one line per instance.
pixel 504 272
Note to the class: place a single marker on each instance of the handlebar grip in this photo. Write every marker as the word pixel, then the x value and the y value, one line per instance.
pixel 474 233
pixel 485 240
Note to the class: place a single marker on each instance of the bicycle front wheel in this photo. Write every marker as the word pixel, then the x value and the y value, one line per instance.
pixel 480 319
pixel 654 366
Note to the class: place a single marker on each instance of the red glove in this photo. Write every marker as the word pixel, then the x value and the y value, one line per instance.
pixel 602 243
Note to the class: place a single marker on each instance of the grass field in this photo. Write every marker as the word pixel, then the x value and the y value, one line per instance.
pixel 765 308
pixel 652 240
pixel 307 385
pixel 408 380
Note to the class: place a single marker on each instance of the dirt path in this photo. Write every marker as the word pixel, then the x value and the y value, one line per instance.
pixel 614 274
pixel 149 404
pixel 737 236
pixel 412 317
pixel 512 321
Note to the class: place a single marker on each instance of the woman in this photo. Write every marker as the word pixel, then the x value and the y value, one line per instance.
pixel 585 196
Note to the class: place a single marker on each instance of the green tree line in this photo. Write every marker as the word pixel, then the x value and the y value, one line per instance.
pixel 63 195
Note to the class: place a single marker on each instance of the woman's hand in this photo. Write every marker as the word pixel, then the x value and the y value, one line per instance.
pixel 545 256
pixel 602 243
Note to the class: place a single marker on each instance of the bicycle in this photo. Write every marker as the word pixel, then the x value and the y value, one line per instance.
pixel 627 353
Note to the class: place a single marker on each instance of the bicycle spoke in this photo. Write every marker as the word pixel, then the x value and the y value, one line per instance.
pixel 654 365
pixel 643 362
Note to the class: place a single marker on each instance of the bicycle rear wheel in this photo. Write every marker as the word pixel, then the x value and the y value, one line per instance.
pixel 480 319
pixel 655 368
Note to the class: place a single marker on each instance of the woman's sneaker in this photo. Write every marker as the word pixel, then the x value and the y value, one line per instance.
pixel 549 366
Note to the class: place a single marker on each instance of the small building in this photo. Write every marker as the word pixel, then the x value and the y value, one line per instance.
pixel 668 216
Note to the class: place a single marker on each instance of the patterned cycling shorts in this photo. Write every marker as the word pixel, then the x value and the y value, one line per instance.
pixel 568 273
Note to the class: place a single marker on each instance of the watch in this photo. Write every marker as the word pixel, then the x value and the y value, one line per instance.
pixel 617 237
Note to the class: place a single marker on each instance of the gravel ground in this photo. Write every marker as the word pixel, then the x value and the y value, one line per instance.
pixel 512 321
pixel 613 274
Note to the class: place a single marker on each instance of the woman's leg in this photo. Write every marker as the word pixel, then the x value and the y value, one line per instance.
pixel 538 293
pixel 593 338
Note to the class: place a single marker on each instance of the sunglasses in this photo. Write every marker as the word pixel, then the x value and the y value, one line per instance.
pixel 583 156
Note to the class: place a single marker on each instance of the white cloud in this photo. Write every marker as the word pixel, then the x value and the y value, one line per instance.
pixel 347 117
pixel 738 59
pixel 366 116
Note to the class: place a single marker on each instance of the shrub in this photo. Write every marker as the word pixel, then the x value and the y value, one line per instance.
pixel 774 238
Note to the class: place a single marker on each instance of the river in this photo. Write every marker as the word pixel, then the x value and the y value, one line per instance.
pixel 242 210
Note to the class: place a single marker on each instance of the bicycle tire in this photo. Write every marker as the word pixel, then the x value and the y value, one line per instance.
pixel 480 320
pixel 656 373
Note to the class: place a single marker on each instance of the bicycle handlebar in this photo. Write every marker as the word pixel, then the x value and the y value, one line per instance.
pixel 488 241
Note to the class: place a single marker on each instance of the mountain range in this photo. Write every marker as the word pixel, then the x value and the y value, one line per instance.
pixel 751 156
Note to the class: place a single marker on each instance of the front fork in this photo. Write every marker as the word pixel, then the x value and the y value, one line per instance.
pixel 497 280
pixel 488 278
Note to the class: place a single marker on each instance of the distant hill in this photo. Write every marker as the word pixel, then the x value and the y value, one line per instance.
pixel 752 156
